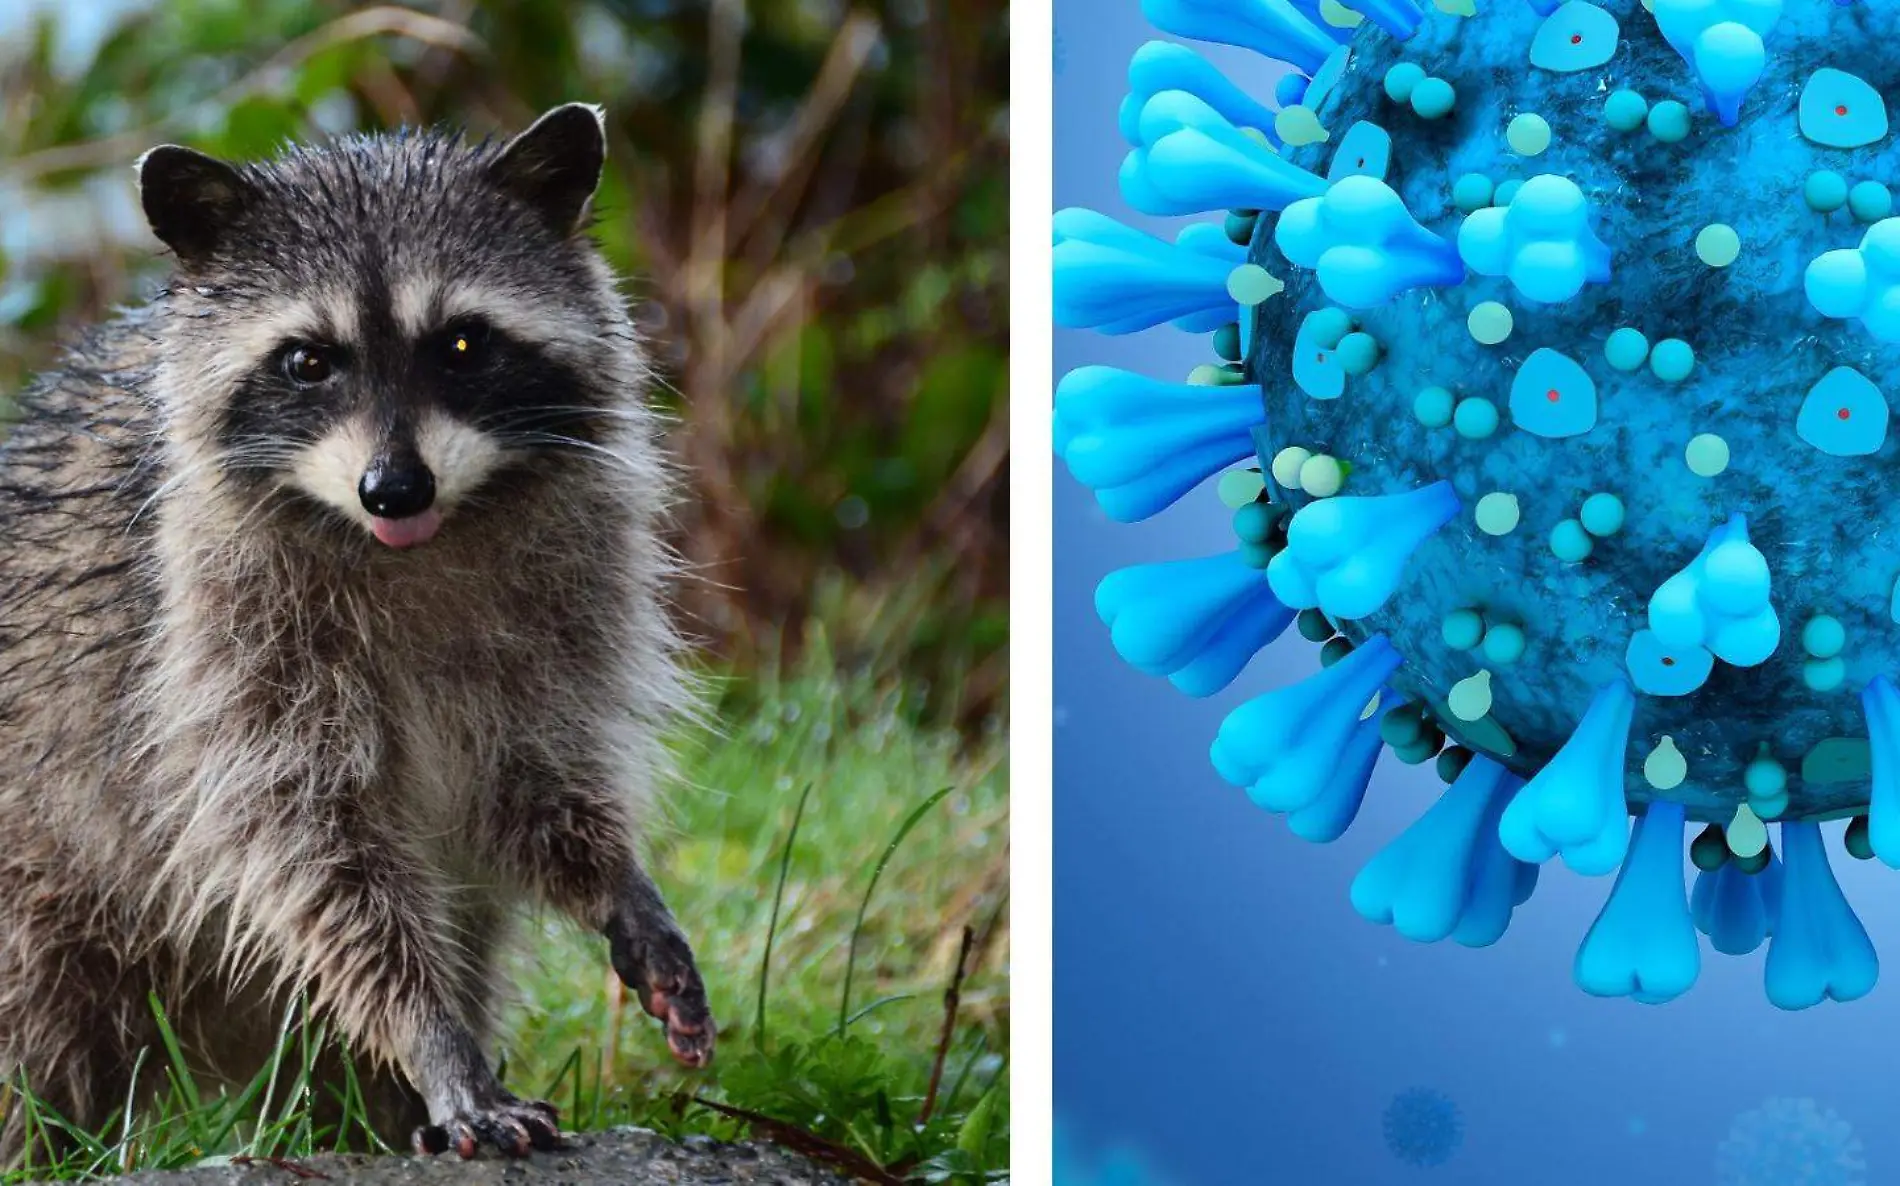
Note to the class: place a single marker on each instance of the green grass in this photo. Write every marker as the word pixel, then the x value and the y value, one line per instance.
pixel 901 844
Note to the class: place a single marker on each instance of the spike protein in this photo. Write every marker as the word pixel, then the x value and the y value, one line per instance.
pixel 1550 345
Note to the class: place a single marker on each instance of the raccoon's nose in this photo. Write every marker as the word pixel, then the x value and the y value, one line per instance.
pixel 396 489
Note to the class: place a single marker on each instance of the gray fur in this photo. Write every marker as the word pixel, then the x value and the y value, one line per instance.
pixel 251 750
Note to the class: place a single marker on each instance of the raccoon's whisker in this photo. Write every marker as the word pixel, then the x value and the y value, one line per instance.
pixel 588 448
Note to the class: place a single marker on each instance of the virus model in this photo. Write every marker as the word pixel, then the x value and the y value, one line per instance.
pixel 1790 1142
pixel 1563 336
pixel 1423 1127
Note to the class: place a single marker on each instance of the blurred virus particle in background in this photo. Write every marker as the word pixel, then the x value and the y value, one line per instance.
pixel 1076 1164
pixel 1790 1142
pixel 1551 351
pixel 1423 1127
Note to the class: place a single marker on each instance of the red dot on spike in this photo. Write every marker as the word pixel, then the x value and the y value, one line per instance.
pixel 1841 110
pixel 1843 414
pixel 1668 662
pixel 1576 39
pixel 1552 395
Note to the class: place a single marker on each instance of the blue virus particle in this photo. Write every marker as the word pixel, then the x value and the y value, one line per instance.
pixel 1120 1165
pixel 1550 344
pixel 1790 1142
pixel 1423 1127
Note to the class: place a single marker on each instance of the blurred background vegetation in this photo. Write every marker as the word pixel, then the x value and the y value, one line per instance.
pixel 809 197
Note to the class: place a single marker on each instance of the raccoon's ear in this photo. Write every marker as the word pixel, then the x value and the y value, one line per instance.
pixel 555 164
pixel 190 199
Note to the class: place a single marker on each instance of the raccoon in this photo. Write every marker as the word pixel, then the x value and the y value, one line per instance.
pixel 335 627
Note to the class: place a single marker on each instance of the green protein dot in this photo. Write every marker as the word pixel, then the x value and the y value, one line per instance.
pixel 1528 134
pixel 1334 650
pixel 1470 698
pixel 1402 79
pixel 1329 326
pixel 1402 726
pixel 1475 418
pixel 1358 353
pixel 1472 192
pixel 1251 284
pixel 1490 323
pixel 1227 342
pixel 1825 191
pixel 1823 675
pixel 1602 514
pixel 1570 542
pixel 1253 522
pixel 1497 513
pixel 1313 626
pixel 1507 192
pixel 1322 476
pixel 1433 98
pixel 1626 349
pixel 1286 466
pixel 1298 126
pixel 1764 778
pixel 1462 629
pixel 1256 555
pixel 1239 487
pixel 1669 121
pixel 1707 455
pixel 1625 111
pixel 1870 201
pixel 1672 360
pixel 1665 768
pixel 1239 226
pixel 1746 835
pixel 1504 643
pixel 1452 761
pixel 1718 245
pixel 1433 407
pixel 1823 637
pixel 1208 375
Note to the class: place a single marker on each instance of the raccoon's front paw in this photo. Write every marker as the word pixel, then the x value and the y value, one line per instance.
pixel 511 1125
pixel 657 964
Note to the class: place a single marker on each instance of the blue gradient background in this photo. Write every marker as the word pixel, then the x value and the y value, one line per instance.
pixel 1218 1002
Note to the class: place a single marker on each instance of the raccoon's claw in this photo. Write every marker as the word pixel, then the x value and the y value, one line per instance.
pixel 659 968
pixel 513 1126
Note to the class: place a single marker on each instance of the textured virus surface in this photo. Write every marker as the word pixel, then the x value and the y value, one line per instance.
pixel 1790 1142
pixel 1551 345
pixel 1423 1127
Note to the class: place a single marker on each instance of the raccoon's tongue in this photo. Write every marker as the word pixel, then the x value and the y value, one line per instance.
pixel 406 533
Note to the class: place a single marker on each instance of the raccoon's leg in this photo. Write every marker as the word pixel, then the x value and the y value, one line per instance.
pixel 571 841
pixel 367 925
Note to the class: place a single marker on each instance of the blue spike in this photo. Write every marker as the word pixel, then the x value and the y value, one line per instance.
pixel 1140 444
pixel 1290 91
pixel 1722 41
pixel 1643 945
pixel 1446 875
pixel 1191 160
pixel 1400 18
pixel 1284 746
pixel 1574 806
pixel 1880 703
pixel 1820 951
pixel 1164 66
pixel 1271 28
pixel 1345 554
pixel 1720 601
pixel 1735 909
pixel 1332 811
pixel 1542 241
pixel 1115 279
pixel 1203 617
pixel 1364 245
pixel 1545 7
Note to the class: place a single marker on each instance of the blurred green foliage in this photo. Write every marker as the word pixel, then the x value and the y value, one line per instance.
pixel 809 196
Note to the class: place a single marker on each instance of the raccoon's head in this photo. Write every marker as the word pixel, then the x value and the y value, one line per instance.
pixel 402 333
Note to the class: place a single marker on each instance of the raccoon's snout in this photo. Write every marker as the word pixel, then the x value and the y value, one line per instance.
pixel 397 489
pixel 399 494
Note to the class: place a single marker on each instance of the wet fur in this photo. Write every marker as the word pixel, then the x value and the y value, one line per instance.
pixel 252 751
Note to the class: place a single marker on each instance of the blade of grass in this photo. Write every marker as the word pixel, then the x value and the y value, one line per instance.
pixel 851 955
pixel 879 1004
pixel 771 930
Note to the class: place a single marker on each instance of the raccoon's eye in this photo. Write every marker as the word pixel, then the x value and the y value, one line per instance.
pixel 464 347
pixel 307 365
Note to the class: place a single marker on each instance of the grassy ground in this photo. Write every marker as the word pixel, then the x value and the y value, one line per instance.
pixel 849 1078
